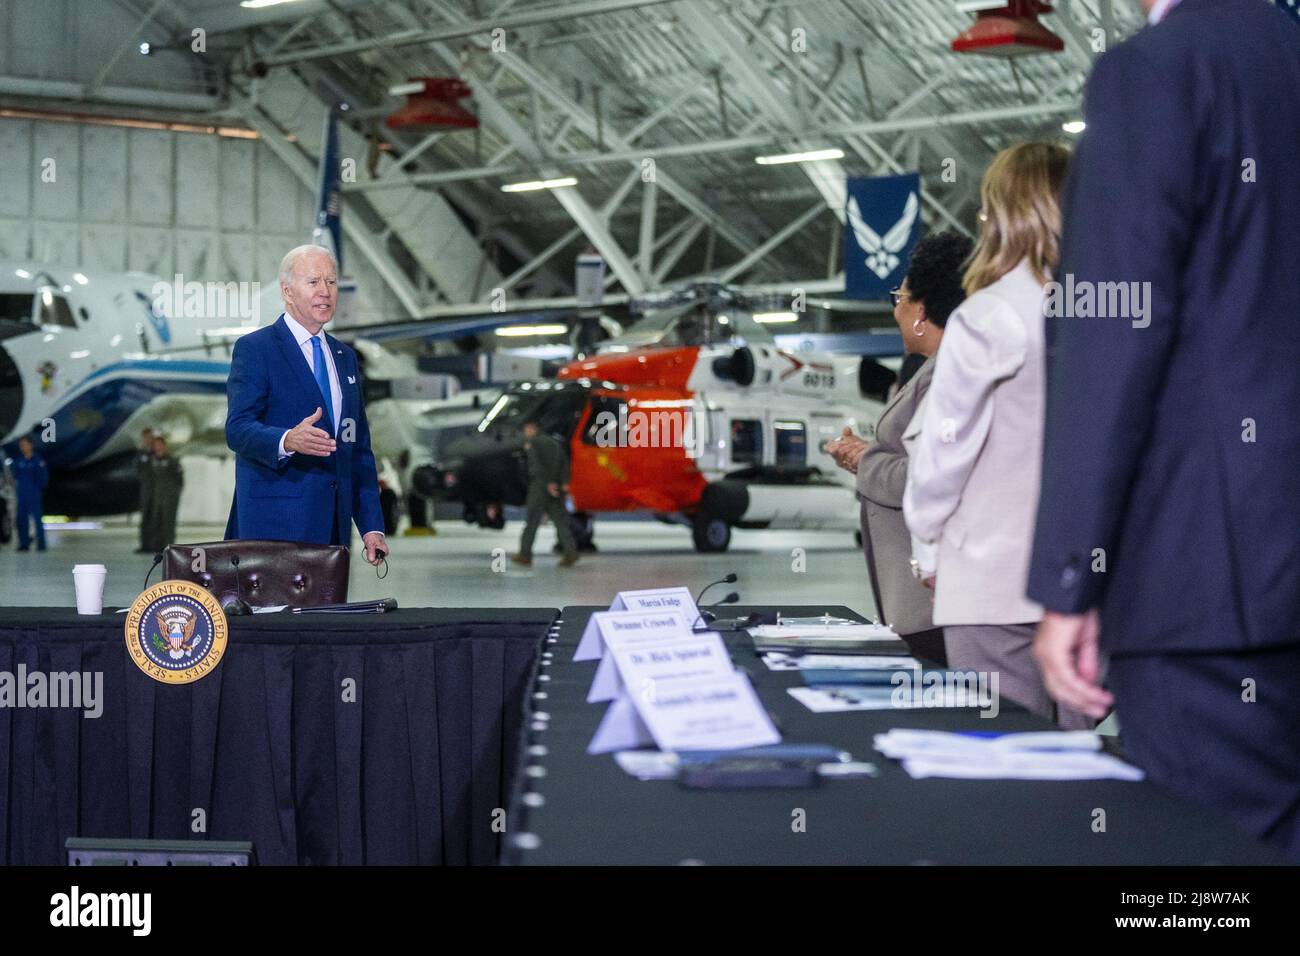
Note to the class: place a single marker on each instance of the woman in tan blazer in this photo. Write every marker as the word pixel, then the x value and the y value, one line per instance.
pixel 922 304
pixel 976 445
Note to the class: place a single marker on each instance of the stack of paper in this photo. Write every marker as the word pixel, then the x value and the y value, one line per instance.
pixel 1051 755
pixel 786 661
pixel 836 638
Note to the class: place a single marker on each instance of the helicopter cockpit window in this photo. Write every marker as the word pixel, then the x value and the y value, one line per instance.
pixel 55 311
pixel 556 410
pixel 16 307
pixel 605 411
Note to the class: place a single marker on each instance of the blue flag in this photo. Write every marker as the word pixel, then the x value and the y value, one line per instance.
pixel 882 221
pixel 328 231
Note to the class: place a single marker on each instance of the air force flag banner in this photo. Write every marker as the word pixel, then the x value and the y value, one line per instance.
pixel 882 222
pixel 328 231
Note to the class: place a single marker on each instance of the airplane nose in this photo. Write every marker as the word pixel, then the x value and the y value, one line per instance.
pixel 11 393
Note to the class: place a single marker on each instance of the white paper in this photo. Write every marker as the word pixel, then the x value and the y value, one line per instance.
pixel 907 742
pixel 636 660
pixel 833 632
pixel 1076 766
pixel 1046 755
pixel 648 764
pixel 783 661
pixel 719 713
pixel 829 700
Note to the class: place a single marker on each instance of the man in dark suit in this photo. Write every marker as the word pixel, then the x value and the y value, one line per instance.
pixel 304 469
pixel 1168 531
pixel 548 477
pixel 144 471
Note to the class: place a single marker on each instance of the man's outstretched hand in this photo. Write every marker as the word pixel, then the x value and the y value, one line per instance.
pixel 374 541
pixel 305 438
pixel 1068 653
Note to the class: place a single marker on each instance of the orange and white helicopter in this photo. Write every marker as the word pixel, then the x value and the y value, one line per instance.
pixel 693 415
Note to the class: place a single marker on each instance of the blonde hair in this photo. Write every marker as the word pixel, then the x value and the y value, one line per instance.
pixel 1021 216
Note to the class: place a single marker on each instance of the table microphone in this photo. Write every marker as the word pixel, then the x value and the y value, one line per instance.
pixel 729 579
pixel 157 560
pixel 237 607
pixel 708 617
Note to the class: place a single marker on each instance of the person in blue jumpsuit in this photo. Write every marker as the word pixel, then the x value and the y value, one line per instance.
pixel 30 476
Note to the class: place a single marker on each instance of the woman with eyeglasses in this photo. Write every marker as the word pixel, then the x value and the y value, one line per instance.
pixel 922 304
pixel 976 445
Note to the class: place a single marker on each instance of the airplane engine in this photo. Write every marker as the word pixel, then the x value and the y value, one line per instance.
pixel 110 486
pixel 739 367
pixel 810 374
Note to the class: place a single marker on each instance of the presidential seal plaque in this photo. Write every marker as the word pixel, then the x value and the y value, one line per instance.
pixel 176 632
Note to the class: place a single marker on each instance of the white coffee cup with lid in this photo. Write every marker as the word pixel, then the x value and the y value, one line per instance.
pixel 89 580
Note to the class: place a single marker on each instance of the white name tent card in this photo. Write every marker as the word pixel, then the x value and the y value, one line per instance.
pixel 656 599
pixel 620 729
pixel 632 659
pixel 714 713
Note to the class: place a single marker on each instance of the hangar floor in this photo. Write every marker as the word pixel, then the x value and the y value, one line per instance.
pixel 455 568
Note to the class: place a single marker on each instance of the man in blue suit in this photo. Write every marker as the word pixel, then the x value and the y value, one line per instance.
pixel 295 420
pixel 31 476
pixel 1168 530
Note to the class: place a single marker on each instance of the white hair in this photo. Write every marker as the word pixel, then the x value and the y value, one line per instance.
pixel 297 252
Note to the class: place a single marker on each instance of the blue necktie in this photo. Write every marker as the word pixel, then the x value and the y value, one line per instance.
pixel 323 381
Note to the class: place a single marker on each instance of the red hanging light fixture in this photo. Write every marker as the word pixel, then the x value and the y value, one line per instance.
pixel 1007 28
pixel 431 102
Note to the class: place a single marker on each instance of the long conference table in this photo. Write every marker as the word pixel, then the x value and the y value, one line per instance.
pixel 573 808
pixel 464 741
pixel 320 739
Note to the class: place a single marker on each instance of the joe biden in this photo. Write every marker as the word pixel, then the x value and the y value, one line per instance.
pixel 295 420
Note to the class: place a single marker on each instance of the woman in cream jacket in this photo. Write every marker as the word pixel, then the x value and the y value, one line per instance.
pixel 976 444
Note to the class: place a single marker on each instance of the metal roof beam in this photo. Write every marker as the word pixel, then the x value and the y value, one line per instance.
pixel 455 30
pixel 371 246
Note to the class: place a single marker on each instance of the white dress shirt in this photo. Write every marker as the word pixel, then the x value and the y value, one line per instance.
pixel 304 337
pixel 1159 10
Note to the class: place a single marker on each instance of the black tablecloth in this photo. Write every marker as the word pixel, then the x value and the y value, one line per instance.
pixel 265 746
pixel 570 807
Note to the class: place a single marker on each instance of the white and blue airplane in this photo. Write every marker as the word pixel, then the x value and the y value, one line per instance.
pixel 89 359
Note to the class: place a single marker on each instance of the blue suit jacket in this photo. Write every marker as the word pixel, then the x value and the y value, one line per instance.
pixel 271 389
pixel 1175 448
